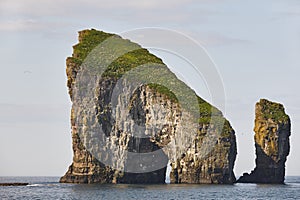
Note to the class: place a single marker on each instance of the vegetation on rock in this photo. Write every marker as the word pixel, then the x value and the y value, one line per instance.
pixel 272 132
pixel 274 111
pixel 89 39
pixel 201 143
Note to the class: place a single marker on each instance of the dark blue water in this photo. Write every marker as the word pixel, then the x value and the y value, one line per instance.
pixel 49 188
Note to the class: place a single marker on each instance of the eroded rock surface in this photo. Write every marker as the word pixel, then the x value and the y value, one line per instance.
pixel 127 131
pixel 272 131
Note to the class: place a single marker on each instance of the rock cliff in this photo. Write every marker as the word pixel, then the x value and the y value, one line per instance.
pixel 272 131
pixel 131 116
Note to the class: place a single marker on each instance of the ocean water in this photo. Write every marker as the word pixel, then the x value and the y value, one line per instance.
pixel 49 188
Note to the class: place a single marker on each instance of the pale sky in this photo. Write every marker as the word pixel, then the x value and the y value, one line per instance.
pixel 254 44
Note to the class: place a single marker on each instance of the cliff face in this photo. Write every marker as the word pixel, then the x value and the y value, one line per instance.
pixel 127 130
pixel 272 131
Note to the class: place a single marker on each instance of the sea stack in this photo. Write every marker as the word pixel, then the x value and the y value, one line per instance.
pixel 272 131
pixel 131 116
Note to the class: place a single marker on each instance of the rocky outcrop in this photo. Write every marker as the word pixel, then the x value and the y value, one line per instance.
pixel 131 116
pixel 14 184
pixel 272 131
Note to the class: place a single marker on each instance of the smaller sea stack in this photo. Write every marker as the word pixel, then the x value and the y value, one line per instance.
pixel 272 131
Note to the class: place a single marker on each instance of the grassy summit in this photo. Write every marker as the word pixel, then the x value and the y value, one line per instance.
pixel 90 39
pixel 274 111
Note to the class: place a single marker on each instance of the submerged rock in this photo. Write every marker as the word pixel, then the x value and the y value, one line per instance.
pixel 126 129
pixel 272 131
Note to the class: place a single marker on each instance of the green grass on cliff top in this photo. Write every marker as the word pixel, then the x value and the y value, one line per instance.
pixel 89 39
pixel 272 110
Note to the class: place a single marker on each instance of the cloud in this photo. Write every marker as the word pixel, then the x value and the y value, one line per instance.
pixel 131 10
pixel 50 7
pixel 34 15
pixel 47 14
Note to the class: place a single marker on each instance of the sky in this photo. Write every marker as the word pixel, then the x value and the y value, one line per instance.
pixel 255 46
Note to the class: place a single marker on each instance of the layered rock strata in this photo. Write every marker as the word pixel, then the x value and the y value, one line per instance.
pixel 127 130
pixel 272 131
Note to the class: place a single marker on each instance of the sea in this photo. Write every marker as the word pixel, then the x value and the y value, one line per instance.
pixel 49 188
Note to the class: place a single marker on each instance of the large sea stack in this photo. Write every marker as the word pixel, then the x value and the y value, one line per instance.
pixel 131 116
pixel 272 131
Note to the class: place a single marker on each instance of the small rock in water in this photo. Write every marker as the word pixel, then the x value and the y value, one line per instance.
pixel 14 184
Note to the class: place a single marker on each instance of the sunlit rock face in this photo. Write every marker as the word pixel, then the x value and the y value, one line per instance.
pixel 272 131
pixel 127 130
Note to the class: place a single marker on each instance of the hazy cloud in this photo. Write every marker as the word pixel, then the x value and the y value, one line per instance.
pixel 28 16
pixel 144 11
pixel 50 7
